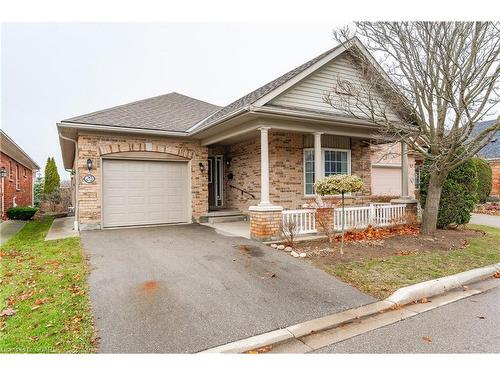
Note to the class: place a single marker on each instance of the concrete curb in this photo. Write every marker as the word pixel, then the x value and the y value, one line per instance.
pixel 442 285
pixel 402 296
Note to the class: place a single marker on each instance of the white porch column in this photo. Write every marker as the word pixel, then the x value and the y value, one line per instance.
pixel 404 170
pixel 318 162
pixel 264 167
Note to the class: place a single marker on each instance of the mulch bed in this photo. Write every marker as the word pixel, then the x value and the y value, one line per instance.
pixel 383 242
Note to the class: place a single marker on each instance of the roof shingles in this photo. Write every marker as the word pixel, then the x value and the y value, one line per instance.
pixel 170 112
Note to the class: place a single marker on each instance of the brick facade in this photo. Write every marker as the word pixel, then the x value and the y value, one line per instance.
pixel 495 177
pixel 265 225
pixel 286 171
pixel 22 194
pixel 95 146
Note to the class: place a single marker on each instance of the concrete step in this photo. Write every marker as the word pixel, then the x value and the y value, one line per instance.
pixel 226 218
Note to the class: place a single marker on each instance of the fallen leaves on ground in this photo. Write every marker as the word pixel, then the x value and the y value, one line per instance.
pixel 377 234
pixel 7 312
pixel 264 349
pixel 424 300
pixel 497 275
pixel 427 338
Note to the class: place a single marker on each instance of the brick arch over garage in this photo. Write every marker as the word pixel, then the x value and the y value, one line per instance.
pixel 137 147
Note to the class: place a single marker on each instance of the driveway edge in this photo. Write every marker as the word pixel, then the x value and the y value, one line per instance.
pixel 399 298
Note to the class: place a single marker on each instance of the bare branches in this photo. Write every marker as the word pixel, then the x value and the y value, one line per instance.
pixel 443 77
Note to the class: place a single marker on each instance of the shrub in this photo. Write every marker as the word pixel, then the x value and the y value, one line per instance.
pixel 484 174
pixel 459 194
pixel 52 179
pixel 21 213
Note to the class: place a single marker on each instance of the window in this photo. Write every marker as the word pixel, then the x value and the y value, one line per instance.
pixel 418 170
pixel 309 171
pixel 334 162
pixel 17 176
pixel 11 172
pixel 25 173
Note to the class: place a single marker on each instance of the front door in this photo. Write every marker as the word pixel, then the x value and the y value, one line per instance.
pixel 215 181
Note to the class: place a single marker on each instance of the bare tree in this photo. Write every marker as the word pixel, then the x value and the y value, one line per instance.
pixel 431 83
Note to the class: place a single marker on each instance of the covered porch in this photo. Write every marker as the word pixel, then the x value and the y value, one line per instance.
pixel 266 169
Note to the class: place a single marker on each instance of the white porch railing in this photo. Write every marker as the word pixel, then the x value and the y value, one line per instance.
pixel 305 220
pixel 377 215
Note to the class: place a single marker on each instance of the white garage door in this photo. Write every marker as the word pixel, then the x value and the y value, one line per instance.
pixel 386 181
pixel 144 192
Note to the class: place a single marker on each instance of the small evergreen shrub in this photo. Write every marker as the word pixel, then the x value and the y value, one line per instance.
pixel 484 182
pixel 459 194
pixel 21 213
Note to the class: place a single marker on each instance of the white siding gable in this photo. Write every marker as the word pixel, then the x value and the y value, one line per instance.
pixel 309 93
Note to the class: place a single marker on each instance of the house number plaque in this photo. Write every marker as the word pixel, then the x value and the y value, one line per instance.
pixel 88 178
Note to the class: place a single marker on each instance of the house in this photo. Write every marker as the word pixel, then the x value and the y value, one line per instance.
pixel 386 171
pixel 176 159
pixel 17 175
pixel 491 153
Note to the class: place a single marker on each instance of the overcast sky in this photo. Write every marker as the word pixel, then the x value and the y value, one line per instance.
pixel 51 72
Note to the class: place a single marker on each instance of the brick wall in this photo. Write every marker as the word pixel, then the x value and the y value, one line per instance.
pixel 286 171
pixel 94 146
pixel 23 195
pixel 495 186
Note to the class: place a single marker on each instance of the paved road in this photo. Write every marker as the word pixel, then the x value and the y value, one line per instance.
pixel 186 288
pixel 482 219
pixel 471 325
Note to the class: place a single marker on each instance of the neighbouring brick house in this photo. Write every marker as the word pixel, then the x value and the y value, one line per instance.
pixel 176 159
pixel 491 153
pixel 16 187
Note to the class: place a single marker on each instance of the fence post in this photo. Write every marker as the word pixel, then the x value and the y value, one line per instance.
pixel 371 217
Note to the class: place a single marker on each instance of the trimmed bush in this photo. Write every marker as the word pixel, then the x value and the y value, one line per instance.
pixel 21 213
pixel 459 194
pixel 484 182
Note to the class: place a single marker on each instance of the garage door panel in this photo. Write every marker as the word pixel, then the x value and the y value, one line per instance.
pixel 386 181
pixel 144 192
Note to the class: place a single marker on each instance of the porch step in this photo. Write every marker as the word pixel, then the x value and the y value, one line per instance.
pixel 226 218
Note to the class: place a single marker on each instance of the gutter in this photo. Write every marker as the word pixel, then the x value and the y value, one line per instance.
pixel 118 129
pixel 75 223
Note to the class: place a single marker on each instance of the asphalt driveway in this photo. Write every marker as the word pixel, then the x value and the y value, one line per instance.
pixel 181 289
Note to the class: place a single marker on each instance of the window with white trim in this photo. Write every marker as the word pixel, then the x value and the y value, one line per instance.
pixel 335 161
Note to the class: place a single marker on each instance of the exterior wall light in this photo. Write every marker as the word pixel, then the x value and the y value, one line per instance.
pixel 3 172
pixel 89 164
pixel 202 167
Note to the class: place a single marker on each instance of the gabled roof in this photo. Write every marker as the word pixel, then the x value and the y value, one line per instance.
pixel 492 149
pixel 11 149
pixel 257 94
pixel 172 112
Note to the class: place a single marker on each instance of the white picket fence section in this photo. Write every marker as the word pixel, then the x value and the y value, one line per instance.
pixel 377 215
pixel 305 220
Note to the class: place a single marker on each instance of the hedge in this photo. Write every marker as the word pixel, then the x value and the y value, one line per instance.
pixel 459 194
pixel 484 181
pixel 21 213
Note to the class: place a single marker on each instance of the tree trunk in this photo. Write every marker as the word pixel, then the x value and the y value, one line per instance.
pixel 430 215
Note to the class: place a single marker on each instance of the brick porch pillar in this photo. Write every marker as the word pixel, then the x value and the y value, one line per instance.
pixel 265 223
pixel 324 218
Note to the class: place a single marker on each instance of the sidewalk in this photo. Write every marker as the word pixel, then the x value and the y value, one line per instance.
pixel 482 219
pixel 62 228
pixel 9 228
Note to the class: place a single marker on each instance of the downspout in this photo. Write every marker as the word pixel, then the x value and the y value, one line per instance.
pixel 75 223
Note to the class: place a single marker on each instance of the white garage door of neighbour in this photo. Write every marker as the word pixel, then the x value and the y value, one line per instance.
pixel 386 181
pixel 137 192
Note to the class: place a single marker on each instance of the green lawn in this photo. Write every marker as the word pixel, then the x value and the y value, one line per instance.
pixel 381 277
pixel 44 282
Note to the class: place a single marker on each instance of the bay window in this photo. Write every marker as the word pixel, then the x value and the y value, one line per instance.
pixel 335 161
